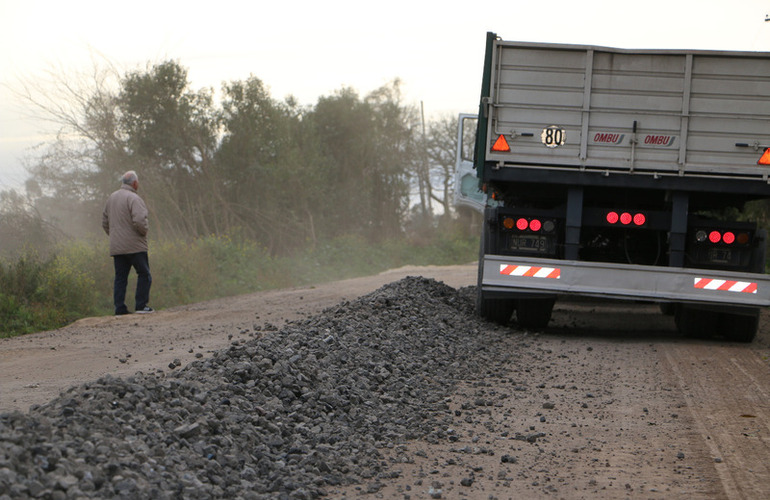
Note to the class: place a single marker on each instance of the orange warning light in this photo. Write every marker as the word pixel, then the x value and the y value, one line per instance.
pixel 763 160
pixel 501 145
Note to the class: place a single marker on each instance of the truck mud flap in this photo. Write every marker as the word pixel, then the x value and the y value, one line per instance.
pixel 502 275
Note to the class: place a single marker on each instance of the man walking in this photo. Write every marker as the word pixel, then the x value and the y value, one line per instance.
pixel 125 221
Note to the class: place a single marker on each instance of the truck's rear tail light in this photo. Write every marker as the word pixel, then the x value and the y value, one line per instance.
pixel 533 225
pixel 625 218
pixel 726 237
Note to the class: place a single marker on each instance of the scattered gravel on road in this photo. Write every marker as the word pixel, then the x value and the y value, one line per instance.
pixel 287 414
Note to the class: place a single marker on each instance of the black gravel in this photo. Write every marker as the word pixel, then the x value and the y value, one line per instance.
pixel 288 414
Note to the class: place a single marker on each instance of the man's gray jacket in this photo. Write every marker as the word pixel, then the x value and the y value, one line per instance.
pixel 125 220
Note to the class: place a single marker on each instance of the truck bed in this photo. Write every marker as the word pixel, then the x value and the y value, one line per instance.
pixel 666 113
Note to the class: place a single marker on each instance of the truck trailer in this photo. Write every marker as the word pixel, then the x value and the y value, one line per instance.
pixel 623 174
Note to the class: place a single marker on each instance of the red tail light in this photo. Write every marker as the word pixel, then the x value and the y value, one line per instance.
pixel 717 236
pixel 534 225
pixel 625 218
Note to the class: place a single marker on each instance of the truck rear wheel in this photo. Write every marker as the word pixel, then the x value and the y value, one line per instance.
pixel 700 323
pixel 534 313
pixel 496 310
pixel 740 327
pixel 696 323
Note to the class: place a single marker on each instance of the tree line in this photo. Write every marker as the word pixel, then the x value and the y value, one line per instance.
pixel 274 171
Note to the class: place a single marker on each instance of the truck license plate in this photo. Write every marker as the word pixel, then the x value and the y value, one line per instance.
pixel 720 255
pixel 529 243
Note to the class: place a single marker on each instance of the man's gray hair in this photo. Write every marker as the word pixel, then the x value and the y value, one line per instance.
pixel 129 177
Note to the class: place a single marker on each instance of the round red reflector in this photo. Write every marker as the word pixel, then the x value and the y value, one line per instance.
pixel 612 217
pixel 640 219
pixel 522 224
pixel 728 238
pixel 714 236
pixel 625 218
pixel 535 225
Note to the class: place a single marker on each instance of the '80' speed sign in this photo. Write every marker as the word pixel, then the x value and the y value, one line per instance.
pixel 553 136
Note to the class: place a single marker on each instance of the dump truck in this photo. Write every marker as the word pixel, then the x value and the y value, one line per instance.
pixel 622 174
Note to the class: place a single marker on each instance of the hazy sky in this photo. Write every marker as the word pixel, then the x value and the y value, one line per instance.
pixel 312 48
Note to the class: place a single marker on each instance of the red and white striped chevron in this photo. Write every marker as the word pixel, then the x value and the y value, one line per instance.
pixel 530 271
pixel 725 285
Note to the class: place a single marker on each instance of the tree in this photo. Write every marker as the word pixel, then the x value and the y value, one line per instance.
pixel 21 225
pixel 395 127
pixel 272 170
pixel 171 135
pixel 68 173
pixel 265 160
pixel 368 148
pixel 441 147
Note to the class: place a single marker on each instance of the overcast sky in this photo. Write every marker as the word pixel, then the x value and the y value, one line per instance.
pixel 312 48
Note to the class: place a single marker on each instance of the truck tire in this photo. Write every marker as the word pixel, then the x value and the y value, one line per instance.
pixel 495 310
pixel 740 327
pixel 696 323
pixel 534 313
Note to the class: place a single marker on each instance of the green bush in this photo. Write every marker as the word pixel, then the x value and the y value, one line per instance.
pixel 76 280
pixel 15 317
pixel 67 282
pixel 40 294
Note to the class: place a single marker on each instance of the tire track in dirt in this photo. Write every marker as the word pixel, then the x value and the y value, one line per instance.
pixel 724 387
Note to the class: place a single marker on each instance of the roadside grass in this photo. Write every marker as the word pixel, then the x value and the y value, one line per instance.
pixel 74 281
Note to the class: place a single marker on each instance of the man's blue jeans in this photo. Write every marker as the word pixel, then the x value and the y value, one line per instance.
pixel 123 264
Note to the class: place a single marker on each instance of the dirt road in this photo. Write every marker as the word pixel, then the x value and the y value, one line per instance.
pixel 608 402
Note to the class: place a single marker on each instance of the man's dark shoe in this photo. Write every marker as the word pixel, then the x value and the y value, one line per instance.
pixel 146 310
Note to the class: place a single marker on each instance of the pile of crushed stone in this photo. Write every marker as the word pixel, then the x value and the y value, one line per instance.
pixel 285 415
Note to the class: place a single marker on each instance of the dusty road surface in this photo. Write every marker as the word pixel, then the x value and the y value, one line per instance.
pixel 608 402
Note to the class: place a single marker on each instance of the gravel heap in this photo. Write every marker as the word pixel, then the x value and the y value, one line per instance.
pixel 285 415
